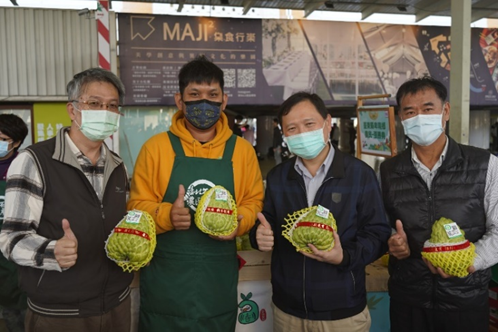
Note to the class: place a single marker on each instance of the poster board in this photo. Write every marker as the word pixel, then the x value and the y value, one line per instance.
pixel 376 130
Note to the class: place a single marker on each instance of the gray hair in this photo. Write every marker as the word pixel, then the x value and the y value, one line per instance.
pixel 81 80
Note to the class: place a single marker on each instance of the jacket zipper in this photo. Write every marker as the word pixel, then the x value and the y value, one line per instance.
pixel 105 262
pixel 304 287
pixel 432 216
pixel 304 260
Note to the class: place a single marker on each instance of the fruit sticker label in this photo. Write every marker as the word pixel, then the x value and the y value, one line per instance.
pixel 322 212
pixel 221 195
pixel 452 230
pixel 133 217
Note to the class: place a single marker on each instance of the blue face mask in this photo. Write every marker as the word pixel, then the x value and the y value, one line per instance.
pixel 424 129
pixel 306 145
pixel 4 148
pixel 202 114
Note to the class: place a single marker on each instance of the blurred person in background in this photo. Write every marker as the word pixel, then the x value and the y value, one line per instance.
pixel 13 304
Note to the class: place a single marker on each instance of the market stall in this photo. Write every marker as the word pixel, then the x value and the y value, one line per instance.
pixel 255 313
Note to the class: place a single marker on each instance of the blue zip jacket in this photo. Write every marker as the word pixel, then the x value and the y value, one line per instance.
pixel 307 288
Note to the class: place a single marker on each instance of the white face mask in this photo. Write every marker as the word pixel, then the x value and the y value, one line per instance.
pixel 306 145
pixel 424 129
pixel 4 148
pixel 97 125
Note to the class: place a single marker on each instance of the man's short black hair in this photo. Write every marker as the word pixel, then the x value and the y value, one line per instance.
pixel 13 126
pixel 299 97
pixel 200 70
pixel 419 84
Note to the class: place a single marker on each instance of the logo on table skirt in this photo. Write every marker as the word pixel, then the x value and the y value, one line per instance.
pixel 249 310
pixel 195 191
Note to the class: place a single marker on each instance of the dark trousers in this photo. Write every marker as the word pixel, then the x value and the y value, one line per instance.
pixel 405 318
pixel 116 320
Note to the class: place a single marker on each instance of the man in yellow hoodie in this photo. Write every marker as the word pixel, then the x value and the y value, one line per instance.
pixel 191 283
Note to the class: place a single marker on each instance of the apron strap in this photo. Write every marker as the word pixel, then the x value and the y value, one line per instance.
pixel 229 147
pixel 176 144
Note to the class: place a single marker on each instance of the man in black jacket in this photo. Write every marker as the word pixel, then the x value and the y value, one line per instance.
pixel 437 178
pixel 323 290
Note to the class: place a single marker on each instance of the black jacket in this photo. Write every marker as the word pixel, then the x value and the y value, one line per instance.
pixel 314 290
pixel 457 193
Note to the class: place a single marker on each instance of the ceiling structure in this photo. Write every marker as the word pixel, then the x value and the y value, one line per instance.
pixel 420 8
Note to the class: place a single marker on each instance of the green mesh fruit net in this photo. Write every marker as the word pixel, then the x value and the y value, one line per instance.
pixel 216 212
pixel 313 225
pixel 133 240
pixel 448 249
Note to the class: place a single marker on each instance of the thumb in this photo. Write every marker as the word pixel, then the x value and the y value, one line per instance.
pixel 68 233
pixel 263 221
pixel 181 194
pixel 399 229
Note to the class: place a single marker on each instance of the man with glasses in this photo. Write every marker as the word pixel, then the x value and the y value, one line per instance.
pixel 64 197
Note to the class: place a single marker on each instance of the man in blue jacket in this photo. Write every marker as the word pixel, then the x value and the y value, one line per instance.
pixel 324 290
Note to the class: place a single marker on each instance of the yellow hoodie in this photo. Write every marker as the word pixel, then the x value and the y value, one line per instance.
pixel 155 163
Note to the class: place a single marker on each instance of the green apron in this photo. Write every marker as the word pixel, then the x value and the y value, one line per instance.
pixel 10 295
pixel 191 282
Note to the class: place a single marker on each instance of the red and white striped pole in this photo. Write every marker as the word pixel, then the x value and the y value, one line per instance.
pixel 102 17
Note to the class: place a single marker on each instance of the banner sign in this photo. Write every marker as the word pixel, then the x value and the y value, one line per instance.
pixel 266 61
pixel 154 48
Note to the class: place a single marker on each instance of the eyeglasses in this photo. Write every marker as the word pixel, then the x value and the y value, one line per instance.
pixel 98 105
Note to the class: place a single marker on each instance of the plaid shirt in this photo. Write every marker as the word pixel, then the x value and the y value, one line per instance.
pixel 19 240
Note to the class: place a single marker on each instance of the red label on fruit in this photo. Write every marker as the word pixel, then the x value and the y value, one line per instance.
pixel 464 245
pixel 314 224
pixel 218 210
pixel 133 232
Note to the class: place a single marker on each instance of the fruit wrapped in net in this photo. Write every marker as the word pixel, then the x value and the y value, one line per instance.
pixel 216 212
pixel 133 240
pixel 448 249
pixel 315 225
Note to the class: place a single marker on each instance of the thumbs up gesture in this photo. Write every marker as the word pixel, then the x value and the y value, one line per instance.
pixel 264 234
pixel 66 248
pixel 398 243
pixel 180 215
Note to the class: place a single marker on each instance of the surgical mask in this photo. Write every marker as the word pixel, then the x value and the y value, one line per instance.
pixel 4 148
pixel 97 125
pixel 424 129
pixel 306 145
pixel 202 114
